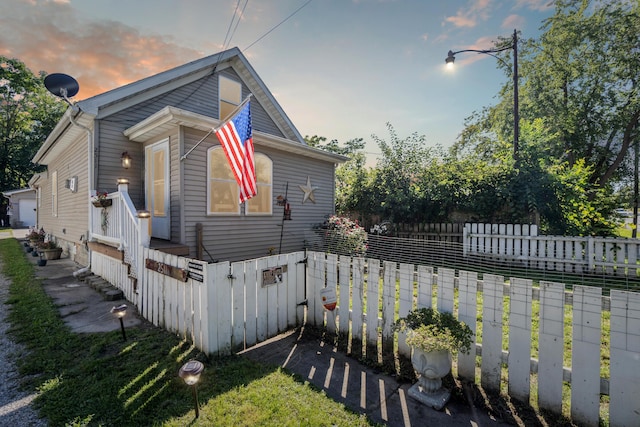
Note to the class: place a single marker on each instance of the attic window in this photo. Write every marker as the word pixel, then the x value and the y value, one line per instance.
pixel 230 96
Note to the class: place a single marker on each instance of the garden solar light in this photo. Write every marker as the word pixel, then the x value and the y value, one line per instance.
pixel 119 311
pixel 190 373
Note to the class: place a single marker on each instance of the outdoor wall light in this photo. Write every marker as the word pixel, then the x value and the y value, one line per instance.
pixel 190 374
pixel 120 311
pixel 126 160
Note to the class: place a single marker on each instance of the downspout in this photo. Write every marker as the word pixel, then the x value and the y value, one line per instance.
pixel 90 183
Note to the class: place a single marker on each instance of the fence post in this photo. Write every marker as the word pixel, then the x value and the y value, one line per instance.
pixel 590 253
pixel 585 355
pixel 465 237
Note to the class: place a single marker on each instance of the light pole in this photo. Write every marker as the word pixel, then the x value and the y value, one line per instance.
pixel 516 115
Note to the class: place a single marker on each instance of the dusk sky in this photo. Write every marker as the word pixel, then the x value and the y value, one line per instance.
pixel 340 69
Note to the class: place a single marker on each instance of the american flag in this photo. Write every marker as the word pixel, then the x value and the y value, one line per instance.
pixel 236 138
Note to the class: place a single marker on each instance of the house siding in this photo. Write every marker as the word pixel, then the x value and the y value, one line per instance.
pixel 71 224
pixel 232 237
pixel 200 97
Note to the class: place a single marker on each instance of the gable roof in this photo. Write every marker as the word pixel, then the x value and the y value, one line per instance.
pixel 113 101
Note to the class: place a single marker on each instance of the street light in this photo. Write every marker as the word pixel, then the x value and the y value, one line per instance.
pixel 516 116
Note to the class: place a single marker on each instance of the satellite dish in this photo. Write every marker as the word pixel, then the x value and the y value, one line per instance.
pixel 61 85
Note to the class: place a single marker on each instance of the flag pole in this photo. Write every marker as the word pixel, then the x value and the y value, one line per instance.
pixel 233 113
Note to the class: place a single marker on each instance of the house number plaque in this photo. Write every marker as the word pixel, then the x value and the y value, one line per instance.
pixel 166 269
pixel 271 276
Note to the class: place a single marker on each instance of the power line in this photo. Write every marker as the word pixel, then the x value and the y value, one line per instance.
pixel 280 23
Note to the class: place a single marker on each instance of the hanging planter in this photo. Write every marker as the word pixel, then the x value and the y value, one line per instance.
pixel 102 203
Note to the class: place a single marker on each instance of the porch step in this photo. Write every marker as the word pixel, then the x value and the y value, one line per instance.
pixel 106 289
pixel 169 247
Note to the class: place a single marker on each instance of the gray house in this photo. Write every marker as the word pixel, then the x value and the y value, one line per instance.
pixel 155 138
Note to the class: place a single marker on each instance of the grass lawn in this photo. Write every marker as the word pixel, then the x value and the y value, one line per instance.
pixel 99 379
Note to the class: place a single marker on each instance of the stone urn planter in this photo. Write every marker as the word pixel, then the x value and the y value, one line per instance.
pixel 434 337
pixel 431 367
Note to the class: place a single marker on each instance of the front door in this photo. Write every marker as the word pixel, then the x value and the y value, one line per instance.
pixel 156 163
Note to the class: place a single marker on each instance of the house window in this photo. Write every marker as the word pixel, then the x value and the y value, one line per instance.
pixel 54 193
pixel 223 193
pixel 261 203
pixel 222 190
pixel 230 96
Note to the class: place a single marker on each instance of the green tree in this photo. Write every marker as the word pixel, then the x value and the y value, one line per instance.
pixel 580 101
pixel 394 182
pixel 28 113
pixel 353 180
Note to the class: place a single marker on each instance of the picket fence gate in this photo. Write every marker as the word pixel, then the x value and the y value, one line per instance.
pixel 221 307
pixel 366 314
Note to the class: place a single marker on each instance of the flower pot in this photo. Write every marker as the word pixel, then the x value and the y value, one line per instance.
pixel 103 203
pixel 34 253
pixel 29 249
pixel 431 368
pixel 51 253
pixel 42 262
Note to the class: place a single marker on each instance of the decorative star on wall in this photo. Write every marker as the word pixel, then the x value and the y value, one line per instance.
pixel 308 191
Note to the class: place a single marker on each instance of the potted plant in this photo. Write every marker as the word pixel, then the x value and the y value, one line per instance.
pixel 100 200
pixel 35 237
pixel 434 337
pixel 50 250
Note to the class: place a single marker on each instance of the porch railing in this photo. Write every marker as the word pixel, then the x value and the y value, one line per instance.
pixel 118 224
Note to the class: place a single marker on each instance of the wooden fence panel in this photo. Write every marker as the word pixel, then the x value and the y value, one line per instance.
pixel 344 295
pixel 332 282
pixel 585 355
pixel 388 307
pixel 467 311
pixel 250 285
pixel 317 272
pixel 242 320
pixel 405 302
pixel 519 364
pixel 425 286
pixel 551 346
pixel 357 305
pixel 446 292
pixel 624 389
pixel 373 297
pixel 491 364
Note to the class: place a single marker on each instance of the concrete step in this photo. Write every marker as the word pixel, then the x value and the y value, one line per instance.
pixel 106 289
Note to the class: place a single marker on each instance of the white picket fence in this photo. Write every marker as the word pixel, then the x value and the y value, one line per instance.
pixel 521 243
pixel 226 307
pixel 364 312
pixel 221 307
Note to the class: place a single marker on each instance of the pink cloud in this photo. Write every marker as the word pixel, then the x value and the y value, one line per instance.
pixel 539 5
pixel 513 21
pixel 101 55
pixel 469 16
